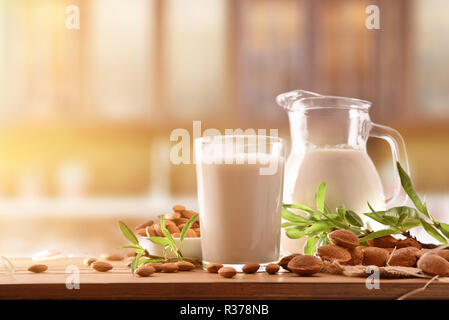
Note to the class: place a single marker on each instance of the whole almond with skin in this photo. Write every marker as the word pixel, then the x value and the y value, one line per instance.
pixel 305 265
pixel 156 265
pixel 383 242
pixel 404 257
pixel 434 265
pixel 250 268
pixel 185 265
pixel 272 268
pixel 344 238
pixel 181 222
pixel 145 224
pixel 188 214
pixel 444 253
pixel 173 229
pixel 89 260
pixel 356 256
pixel 113 256
pixel 176 235
pixel 172 215
pixel 285 260
pixel 145 271
pixel 375 256
pixel 420 253
pixel 101 266
pixel 38 268
pixel 169 268
pixel 227 272
pixel 142 232
pixel 150 232
pixel 178 207
pixel 409 242
pixel 333 252
pixel 131 254
pixel 214 267
pixel 158 230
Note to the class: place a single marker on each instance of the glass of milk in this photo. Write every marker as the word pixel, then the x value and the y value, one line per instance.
pixel 240 182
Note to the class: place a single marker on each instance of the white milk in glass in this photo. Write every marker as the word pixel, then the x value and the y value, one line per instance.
pixel 240 209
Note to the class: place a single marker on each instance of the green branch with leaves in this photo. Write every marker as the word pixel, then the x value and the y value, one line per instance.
pixel 168 243
pixel 316 224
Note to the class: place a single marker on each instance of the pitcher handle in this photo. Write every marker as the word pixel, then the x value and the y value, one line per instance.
pixel 399 153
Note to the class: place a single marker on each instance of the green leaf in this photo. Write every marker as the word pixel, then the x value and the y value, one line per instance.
pixel 433 232
pixel 187 226
pixel 444 228
pixel 299 207
pixel 353 218
pixel 292 224
pixel 318 227
pixel 335 222
pixel 294 233
pixel 160 241
pixel 408 187
pixel 290 216
pixel 167 234
pixel 130 246
pixel 310 246
pixel 135 262
pixel 146 261
pixel 320 196
pixel 128 233
pixel 378 234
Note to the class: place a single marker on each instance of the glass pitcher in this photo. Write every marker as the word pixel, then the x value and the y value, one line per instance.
pixel 329 136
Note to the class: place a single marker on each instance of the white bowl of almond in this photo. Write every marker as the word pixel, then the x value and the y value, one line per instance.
pixel 174 222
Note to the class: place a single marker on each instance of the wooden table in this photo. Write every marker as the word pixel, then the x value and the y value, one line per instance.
pixel 120 284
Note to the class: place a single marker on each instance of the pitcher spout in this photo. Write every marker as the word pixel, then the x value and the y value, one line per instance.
pixel 287 99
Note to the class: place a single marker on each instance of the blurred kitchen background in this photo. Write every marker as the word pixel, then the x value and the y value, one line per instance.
pixel 86 115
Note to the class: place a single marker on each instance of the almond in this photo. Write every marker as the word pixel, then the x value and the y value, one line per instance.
pixel 285 260
pixel 433 265
pixel 173 228
pixel 197 231
pixel 181 222
pixel 188 214
pixel 420 253
pixel 250 268
pixel 142 232
pixel 89 260
pixel 145 224
pixel 375 256
pixel 305 265
pixel 185 265
pixel 156 265
pixel 383 242
pixel 173 215
pixel 272 268
pixel 344 238
pixel 356 256
pixel 409 242
pixel 176 235
pixel 113 256
pixel 38 268
pixel 227 272
pixel 443 254
pixel 214 267
pixel 150 232
pixel 331 252
pixel 158 230
pixel 178 207
pixel 145 271
pixel 404 257
pixel 169 268
pixel 101 266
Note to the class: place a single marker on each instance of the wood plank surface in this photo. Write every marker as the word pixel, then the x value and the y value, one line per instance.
pixel 120 284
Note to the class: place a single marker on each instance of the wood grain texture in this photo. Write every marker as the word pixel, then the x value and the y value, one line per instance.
pixel 120 284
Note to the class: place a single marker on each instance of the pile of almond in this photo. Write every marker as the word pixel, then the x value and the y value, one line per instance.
pixel 385 251
pixel 174 222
